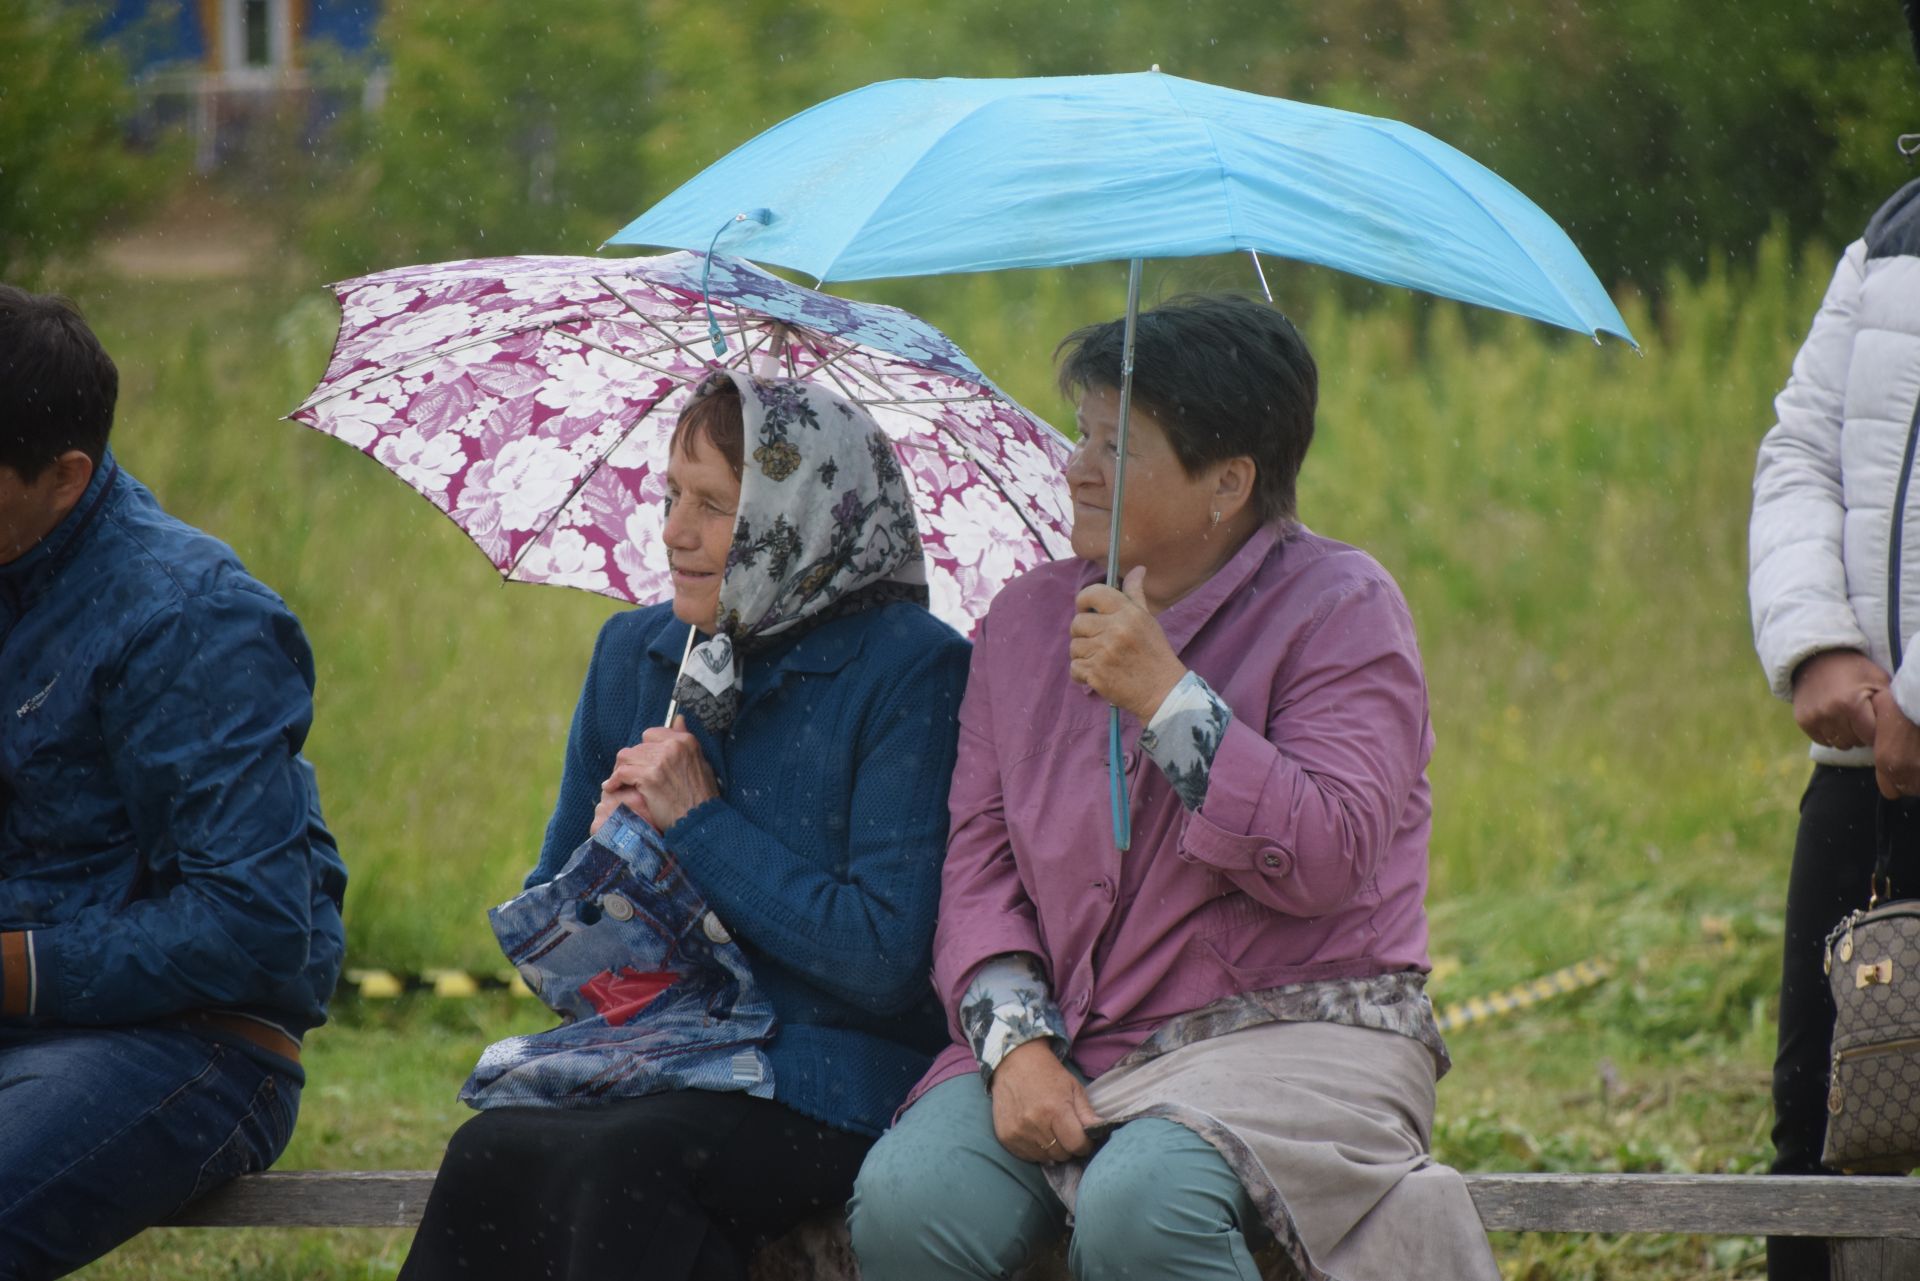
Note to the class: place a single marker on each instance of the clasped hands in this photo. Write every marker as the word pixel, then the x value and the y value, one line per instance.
pixel 1119 650
pixel 659 778
pixel 1843 699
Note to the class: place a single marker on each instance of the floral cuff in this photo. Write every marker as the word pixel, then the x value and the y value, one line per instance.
pixel 1007 1005
pixel 1184 734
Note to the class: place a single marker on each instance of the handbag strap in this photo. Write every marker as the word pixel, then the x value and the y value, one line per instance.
pixel 1886 817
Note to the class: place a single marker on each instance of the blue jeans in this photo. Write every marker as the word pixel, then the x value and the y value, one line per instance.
pixel 107 1131
pixel 940 1200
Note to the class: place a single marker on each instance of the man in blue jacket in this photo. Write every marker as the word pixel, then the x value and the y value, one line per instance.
pixel 169 895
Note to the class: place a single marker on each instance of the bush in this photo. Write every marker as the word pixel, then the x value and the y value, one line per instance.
pixel 65 167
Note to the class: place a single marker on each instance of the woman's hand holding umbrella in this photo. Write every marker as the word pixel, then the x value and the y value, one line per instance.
pixel 660 778
pixel 1040 1110
pixel 1119 650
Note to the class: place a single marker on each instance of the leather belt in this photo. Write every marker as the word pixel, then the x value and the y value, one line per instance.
pixel 254 1031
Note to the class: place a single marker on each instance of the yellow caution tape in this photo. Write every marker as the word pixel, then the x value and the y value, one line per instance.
pixel 376 985
pixel 385 985
pixel 451 982
pixel 1573 978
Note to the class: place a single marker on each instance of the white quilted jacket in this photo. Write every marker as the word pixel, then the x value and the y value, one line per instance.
pixel 1836 512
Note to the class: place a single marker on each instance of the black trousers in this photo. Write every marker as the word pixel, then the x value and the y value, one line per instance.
pixel 1832 867
pixel 671 1187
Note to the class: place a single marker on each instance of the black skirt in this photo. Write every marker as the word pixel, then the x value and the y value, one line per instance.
pixel 686 1185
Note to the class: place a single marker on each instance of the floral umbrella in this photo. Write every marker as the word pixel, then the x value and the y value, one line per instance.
pixel 531 399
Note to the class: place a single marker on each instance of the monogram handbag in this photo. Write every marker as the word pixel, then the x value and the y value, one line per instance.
pixel 1873 969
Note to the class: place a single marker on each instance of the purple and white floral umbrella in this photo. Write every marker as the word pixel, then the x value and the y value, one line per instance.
pixel 531 400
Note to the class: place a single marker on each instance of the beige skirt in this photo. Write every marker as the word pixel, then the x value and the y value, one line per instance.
pixel 1327 1127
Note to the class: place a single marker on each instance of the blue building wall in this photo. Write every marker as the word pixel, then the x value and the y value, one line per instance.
pixel 155 37
pixel 346 23
pixel 169 35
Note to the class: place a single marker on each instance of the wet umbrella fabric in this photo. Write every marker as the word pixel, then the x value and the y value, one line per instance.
pixel 531 400
pixel 654 993
pixel 922 177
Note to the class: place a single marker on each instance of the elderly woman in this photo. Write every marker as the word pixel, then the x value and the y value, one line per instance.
pixel 1221 1033
pixel 805 799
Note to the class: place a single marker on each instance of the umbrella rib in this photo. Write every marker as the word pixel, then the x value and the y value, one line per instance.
pixel 438 353
pixel 655 325
pixel 844 357
pixel 669 374
pixel 1394 137
pixel 588 474
pixel 966 453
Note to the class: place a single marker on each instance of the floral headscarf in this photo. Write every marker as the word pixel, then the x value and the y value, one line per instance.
pixel 825 527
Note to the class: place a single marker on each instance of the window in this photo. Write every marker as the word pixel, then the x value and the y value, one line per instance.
pixel 256 34
pixel 255 37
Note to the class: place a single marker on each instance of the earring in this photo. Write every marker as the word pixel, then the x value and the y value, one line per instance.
pixel 1215 522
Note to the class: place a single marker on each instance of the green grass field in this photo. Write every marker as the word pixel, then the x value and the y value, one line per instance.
pixel 1612 779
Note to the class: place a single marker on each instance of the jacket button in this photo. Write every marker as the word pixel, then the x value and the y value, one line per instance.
pixel 1271 860
pixel 716 932
pixel 616 907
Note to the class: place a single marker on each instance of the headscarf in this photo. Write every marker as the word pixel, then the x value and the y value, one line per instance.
pixel 825 527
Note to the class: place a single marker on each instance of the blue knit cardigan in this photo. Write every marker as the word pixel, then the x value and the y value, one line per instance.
pixel 822 852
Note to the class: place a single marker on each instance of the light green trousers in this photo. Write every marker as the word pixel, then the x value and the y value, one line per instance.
pixel 940 1200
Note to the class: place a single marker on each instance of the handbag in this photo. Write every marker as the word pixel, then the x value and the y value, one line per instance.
pixel 653 992
pixel 1873 970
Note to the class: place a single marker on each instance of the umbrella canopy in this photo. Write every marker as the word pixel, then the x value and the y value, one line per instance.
pixel 920 177
pixel 531 400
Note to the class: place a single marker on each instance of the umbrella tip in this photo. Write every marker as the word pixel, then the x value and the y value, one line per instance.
pixel 1154 67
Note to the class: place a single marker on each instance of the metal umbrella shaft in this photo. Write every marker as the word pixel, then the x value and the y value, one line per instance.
pixel 1116 771
pixel 673 702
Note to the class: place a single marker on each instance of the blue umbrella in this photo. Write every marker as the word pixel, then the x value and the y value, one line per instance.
pixel 923 177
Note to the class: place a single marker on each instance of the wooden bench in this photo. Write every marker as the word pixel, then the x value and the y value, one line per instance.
pixel 1876 1221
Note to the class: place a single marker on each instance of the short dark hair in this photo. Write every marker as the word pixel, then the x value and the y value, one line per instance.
pixel 57 383
pixel 1224 375
pixel 715 417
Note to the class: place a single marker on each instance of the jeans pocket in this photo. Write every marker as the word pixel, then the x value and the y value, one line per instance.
pixel 258 1135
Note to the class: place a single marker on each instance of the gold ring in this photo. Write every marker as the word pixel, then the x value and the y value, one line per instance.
pixel 1051 1144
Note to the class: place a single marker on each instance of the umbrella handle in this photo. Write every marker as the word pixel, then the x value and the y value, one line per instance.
pixel 673 703
pixel 761 216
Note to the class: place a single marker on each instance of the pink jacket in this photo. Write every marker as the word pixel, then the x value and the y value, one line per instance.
pixel 1308 859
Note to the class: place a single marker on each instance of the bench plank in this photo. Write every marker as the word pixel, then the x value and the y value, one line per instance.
pixel 313 1199
pixel 1707 1204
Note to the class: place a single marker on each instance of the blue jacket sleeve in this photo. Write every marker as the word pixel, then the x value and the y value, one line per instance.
pixel 863 934
pixel 204 721
pixel 588 761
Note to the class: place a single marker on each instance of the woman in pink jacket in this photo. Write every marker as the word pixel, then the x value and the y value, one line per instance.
pixel 1220 1035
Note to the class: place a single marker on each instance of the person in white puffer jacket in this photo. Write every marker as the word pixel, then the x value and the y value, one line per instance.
pixel 1835 591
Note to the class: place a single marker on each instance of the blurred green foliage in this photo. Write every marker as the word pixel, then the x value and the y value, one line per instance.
pixel 1659 134
pixel 66 168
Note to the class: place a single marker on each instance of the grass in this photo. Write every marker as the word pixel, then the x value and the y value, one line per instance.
pixel 1569 525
